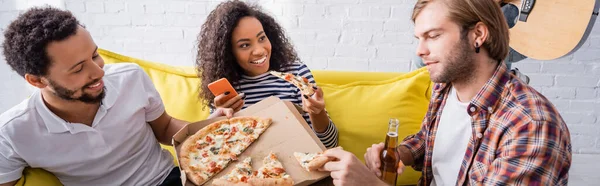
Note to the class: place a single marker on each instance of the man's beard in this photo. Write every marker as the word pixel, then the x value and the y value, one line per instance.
pixel 67 94
pixel 459 64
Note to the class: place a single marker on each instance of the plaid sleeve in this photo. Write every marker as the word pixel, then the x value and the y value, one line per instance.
pixel 416 144
pixel 535 153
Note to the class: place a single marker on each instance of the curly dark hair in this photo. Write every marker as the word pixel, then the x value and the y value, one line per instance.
pixel 28 36
pixel 215 57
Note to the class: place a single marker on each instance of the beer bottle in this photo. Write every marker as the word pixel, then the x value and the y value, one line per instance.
pixel 389 156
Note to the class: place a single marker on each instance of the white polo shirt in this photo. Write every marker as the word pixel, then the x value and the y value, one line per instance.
pixel 119 149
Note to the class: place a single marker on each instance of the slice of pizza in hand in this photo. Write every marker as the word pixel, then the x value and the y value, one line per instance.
pixel 311 161
pixel 271 173
pixel 238 176
pixel 301 82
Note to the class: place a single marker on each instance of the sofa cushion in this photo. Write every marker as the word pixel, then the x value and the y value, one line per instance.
pixel 34 177
pixel 361 111
pixel 347 77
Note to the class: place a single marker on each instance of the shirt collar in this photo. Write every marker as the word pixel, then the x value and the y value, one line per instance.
pixel 111 95
pixel 490 94
pixel 55 124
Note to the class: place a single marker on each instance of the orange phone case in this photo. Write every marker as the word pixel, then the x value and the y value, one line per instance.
pixel 221 86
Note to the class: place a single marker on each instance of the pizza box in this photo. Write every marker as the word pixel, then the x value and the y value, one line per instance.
pixel 287 134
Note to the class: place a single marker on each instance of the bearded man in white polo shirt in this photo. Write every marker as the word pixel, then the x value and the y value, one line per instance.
pixel 88 124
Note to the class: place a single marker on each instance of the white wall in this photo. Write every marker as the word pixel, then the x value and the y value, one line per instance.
pixel 358 35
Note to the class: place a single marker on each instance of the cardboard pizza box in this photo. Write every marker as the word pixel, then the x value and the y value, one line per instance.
pixel 288 133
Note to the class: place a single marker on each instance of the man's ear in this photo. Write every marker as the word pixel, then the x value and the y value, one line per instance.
pixel 36 81
pixel 481 33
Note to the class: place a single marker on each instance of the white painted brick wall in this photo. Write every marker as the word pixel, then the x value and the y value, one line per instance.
pixel 354 35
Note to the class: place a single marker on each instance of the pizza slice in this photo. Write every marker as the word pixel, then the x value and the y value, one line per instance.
pixel 271 173
pixel 301 82
pixel 238 176
pixel 311 161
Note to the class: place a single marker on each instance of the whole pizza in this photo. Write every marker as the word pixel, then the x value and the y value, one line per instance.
pixel 212 148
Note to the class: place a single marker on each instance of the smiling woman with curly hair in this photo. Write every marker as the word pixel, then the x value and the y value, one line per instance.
pixel 241 43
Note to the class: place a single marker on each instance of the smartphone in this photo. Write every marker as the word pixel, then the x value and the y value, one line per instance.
pixel 221 86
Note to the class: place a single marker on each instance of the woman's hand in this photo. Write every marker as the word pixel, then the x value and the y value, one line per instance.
pixel 236 103
pixel 314 104
pixel 221 112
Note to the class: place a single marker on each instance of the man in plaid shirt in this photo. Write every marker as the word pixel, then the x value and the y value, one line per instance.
pixel 484 125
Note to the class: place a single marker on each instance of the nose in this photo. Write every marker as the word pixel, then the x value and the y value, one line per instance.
pixel 97 69
pixel 258 51
pixel 422 49
pixel 100 62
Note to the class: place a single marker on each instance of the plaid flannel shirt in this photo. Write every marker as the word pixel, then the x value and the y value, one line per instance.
pixel 518 136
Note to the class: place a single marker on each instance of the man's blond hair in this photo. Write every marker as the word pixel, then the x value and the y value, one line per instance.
pixel 467 13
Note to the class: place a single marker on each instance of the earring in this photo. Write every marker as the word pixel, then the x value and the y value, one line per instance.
pixel 477 47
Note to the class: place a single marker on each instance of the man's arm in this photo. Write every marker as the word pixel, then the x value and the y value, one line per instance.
pixel 535 153
pixel 165 127
pixel 11 164
pixel 9 183
pixel 406 155
pixel 412 149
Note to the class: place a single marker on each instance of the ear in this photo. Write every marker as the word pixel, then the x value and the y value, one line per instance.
pixel 480 33
pixel 35 81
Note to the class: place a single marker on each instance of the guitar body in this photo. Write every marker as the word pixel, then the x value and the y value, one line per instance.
pixel 554 28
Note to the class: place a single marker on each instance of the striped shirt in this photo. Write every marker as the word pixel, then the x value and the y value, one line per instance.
pixel 518 137
pixel 262 86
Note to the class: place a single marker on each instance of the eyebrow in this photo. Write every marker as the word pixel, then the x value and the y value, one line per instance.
pixel 259 33
pixel 72 67
pixel 430 30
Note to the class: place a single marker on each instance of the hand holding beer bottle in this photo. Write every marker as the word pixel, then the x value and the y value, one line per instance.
pixel 347 170
pixel 383 159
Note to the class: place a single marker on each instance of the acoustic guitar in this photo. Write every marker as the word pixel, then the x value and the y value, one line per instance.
pixel 550 29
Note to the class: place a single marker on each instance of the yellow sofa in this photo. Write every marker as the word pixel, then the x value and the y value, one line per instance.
pixel 359 103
